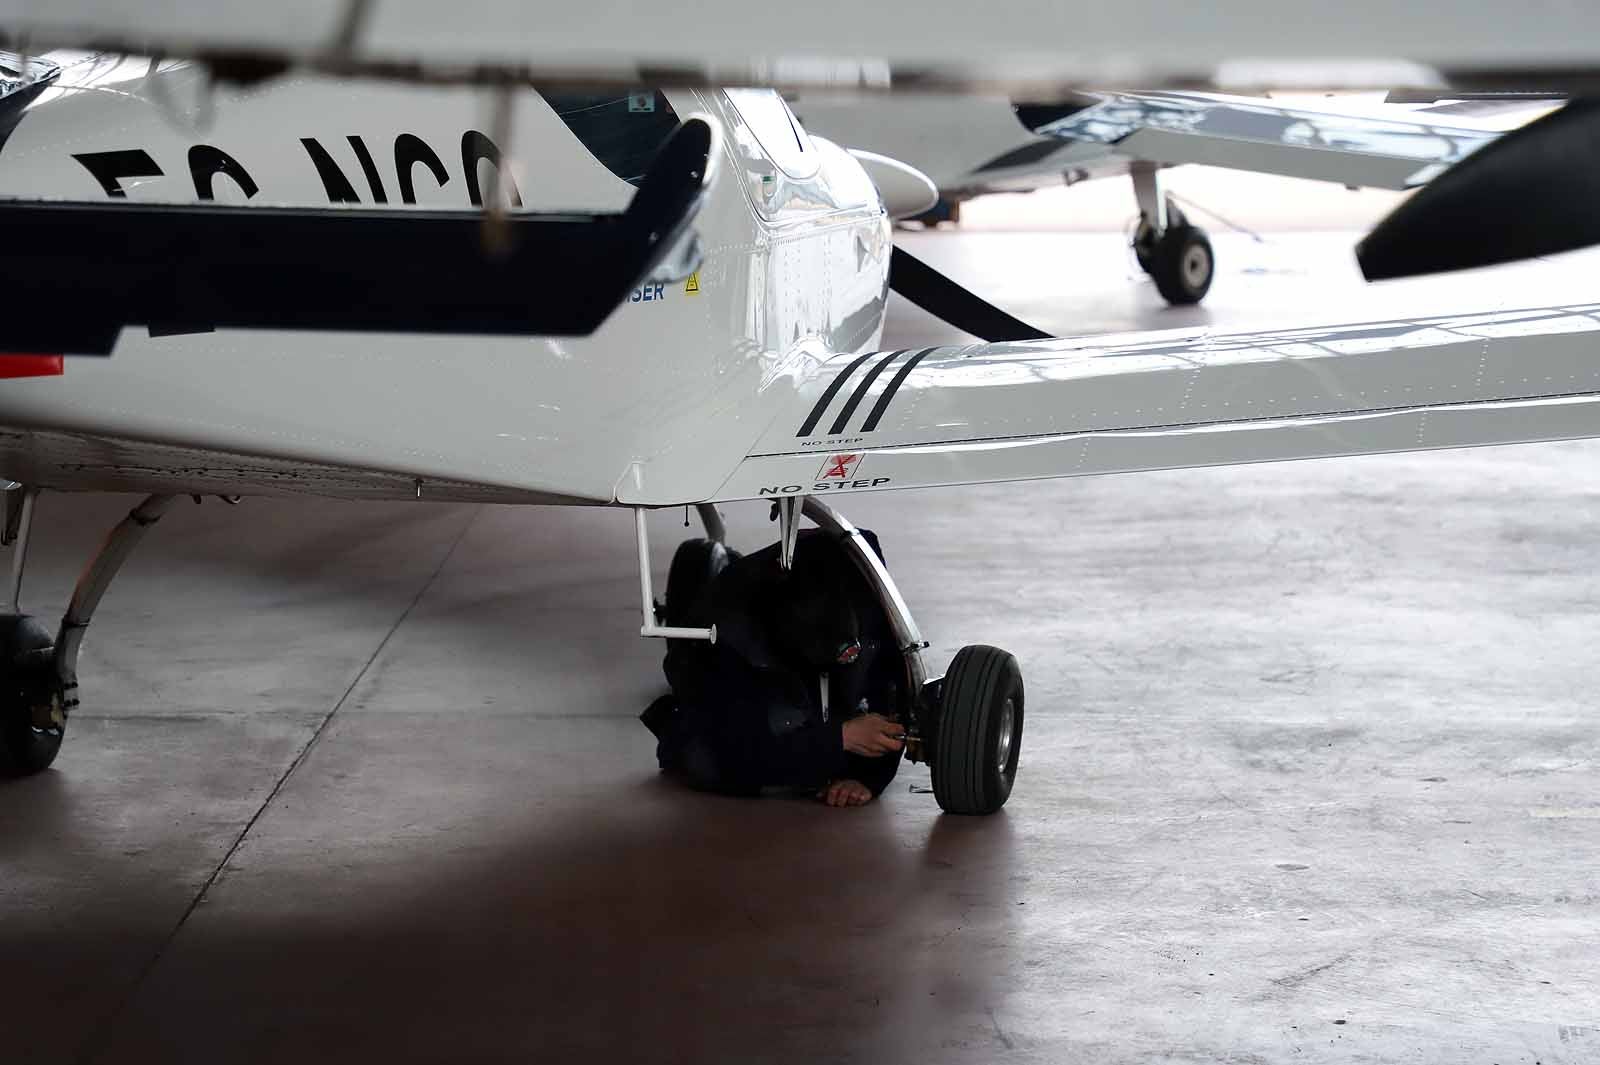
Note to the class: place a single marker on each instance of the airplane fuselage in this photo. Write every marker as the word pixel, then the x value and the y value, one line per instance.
pixel 681 378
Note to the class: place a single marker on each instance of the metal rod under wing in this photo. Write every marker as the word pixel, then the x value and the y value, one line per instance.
pixel 647 599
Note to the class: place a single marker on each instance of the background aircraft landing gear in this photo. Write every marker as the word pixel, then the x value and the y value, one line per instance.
pixel 1181 263
pixel 1176 254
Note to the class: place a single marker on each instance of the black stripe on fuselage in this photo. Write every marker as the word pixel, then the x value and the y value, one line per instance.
pixel 861 390
pixel 899 379
pixel 827 397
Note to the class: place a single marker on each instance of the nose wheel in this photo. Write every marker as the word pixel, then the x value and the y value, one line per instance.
pixel 979 735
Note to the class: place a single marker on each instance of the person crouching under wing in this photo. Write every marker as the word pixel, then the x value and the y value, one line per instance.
pixel 797 693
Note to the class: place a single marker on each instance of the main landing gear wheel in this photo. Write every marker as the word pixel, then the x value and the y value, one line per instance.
pixel 32 698
pixel 980 731
pixel 1182 264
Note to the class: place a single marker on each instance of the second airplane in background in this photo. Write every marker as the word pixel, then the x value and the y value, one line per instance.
pixel 972 145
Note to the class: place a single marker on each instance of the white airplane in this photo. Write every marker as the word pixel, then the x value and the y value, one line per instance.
pixel 971 145
pixel 710 334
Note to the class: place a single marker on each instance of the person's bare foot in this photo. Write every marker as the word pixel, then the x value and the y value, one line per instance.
pixel 845 793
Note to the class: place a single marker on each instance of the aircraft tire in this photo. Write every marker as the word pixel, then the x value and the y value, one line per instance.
pixel 1144 243
pixel 695 564
pixel 979 735
pixel 1142 252
pixel 1144 236
pixel 1182 265
pixel 32 702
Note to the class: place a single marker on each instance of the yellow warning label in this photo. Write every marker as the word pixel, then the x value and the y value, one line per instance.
pixel 692 286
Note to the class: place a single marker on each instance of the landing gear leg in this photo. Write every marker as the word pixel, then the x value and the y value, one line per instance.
pixel 1176 254
pixel 967 726
pixel 38 674
pixel 711 518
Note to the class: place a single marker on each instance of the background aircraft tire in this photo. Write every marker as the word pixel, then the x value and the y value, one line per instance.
pixel 1143 249
pixel 1144 236
pixel 32 702
pixel 980 731
pixel 1182 265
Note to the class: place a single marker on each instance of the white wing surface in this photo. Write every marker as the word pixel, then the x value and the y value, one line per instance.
pixel 1115 404
pixel 931 43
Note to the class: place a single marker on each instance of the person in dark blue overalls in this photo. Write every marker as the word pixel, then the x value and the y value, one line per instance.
pixel 746 713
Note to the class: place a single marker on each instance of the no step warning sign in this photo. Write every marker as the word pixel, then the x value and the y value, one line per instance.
pixel 839 467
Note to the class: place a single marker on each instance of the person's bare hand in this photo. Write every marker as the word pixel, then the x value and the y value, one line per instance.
pixel 845 793
pixel 873 735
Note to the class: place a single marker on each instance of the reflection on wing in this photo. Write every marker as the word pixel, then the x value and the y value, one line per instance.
pixel 1016 411
pixel 1384 147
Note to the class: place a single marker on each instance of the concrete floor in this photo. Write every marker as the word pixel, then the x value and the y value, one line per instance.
pixel 1310 772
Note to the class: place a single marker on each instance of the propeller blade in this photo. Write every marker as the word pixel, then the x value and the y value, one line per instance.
pixel 951 302
pixel 1532 192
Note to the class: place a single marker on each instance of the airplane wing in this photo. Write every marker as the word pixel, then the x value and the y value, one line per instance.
pixel 929 43
pixel 1372 146
pixel 1164 400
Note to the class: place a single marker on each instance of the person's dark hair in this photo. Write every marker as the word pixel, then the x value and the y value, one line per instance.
pixel 811 619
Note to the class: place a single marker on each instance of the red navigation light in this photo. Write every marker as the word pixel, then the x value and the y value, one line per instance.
pixel 16 364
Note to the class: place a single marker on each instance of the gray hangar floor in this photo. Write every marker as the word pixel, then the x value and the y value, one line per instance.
pixel 1310 775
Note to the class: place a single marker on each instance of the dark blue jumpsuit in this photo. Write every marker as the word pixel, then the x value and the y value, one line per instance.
pixel 745 713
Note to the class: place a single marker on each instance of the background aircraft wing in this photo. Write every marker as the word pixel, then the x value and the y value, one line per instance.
pixel 1112 404
pixel 1346 141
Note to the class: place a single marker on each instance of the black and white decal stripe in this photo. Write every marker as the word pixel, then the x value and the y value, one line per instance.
pixel 842 421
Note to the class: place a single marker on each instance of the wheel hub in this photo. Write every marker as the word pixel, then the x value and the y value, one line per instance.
pixel 1196 266
pixel 1008 719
